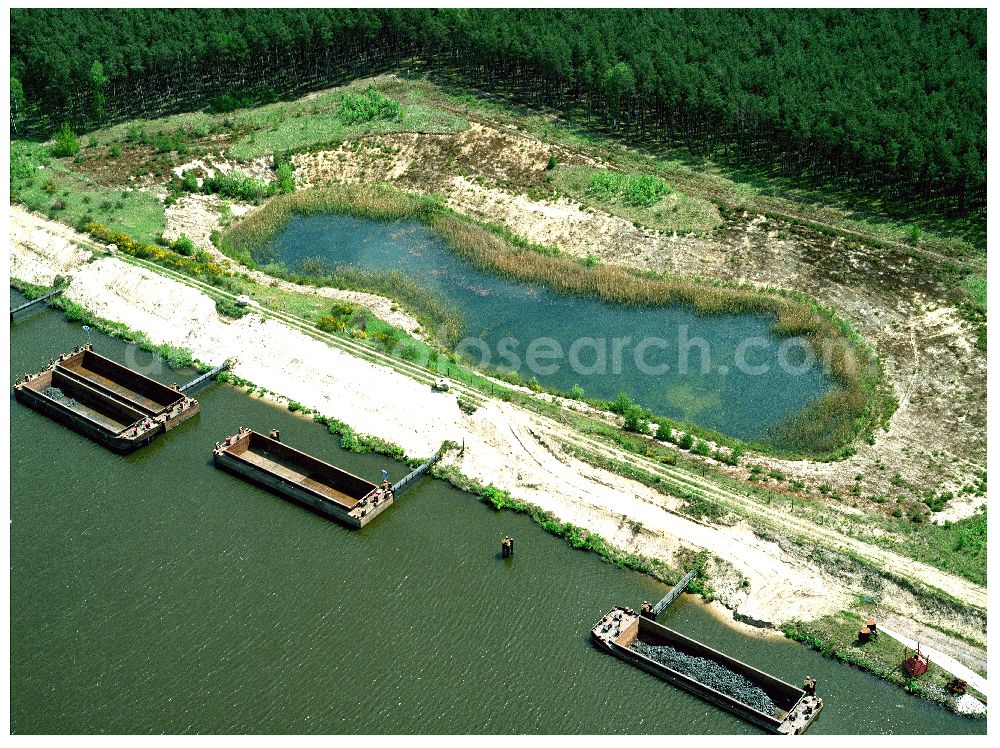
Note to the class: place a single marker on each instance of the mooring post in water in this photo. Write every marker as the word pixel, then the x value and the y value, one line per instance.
pixel 506 546
pixel 670 596
pixel 227 364
pixel 31 303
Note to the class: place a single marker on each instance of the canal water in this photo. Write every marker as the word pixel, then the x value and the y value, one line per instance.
pixel 726 372
pixel 152 593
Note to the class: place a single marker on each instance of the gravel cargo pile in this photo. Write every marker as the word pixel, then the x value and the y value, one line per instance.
pixel 57 394
pixel 709 673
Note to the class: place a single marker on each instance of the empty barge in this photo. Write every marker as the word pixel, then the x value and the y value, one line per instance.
pixel 295 475
pixel 104 400
pixel 794 708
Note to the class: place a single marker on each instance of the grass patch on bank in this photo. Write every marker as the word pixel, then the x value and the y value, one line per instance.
pixel 642 199
pixel 955 547
pixel 338 116
pixel 836 636
pixel 853 408
pixel 48 186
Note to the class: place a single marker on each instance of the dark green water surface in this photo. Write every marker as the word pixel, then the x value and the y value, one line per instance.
pixel 153 593
pixel 721 371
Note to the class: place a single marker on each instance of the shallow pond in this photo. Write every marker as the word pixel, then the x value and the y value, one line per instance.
pixel 721 371
pixel 154 593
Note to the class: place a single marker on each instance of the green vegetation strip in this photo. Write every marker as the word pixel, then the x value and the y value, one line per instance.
pixel 178 358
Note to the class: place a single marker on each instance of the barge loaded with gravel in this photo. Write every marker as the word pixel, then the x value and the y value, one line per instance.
pixel 761 699
pixel 318 485
pixel 104 400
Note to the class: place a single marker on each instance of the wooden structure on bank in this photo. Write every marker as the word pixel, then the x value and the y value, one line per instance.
pixel 621 627
pixel 104 400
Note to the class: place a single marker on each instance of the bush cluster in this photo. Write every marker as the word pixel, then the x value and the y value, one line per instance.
pixel 639 190
pixel 367 106
pixel 201 265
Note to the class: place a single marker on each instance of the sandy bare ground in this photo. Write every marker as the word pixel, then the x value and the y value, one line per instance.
pixel 506 446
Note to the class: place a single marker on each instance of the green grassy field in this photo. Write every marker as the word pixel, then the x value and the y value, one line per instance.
pixel 312 130
pixel 49 186
pixel 287 126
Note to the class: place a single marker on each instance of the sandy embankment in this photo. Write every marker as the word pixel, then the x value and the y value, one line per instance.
pixel 506 446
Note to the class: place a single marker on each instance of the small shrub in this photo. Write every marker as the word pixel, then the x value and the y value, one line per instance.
pixel 686 441
pixel 66 142
pixel 622 404
pixel 285 179
pixel 552 163
pixel 663 429
pixel 576 392
pixel 730 457
pixel 183 246
pixel 636 420
pixel 229 308
pixel 329 323
pixel 238 186
pixel 361 320
pixel 410 352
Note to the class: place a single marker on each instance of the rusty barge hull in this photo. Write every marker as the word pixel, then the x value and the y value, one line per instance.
pixel 796 708
pixel 302 478
pixel 105 401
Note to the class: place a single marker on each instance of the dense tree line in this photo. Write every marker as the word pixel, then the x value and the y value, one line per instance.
pixel 890 101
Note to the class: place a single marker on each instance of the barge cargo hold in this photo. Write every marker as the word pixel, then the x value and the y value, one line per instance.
pixel 794 708
pixel 104 400
pixel 313 483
